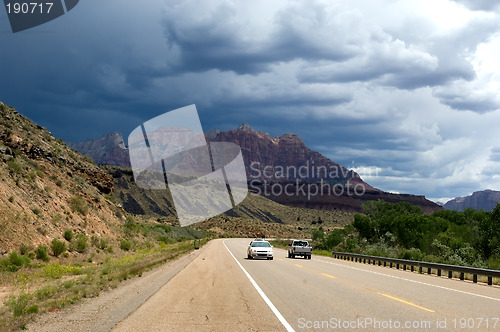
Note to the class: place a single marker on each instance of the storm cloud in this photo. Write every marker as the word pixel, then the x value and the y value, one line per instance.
pixel 405 92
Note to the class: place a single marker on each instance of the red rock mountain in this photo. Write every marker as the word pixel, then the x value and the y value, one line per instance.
pixel 285 170
pixel 281 168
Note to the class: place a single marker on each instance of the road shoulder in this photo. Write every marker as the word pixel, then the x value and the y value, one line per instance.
pixel 109 308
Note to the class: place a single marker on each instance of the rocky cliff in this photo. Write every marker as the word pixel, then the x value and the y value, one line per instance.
pixel 285 170
pixel 110 149
pixel 286 158
pixel 480 200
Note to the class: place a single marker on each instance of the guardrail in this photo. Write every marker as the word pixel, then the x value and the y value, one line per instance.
pixel 420 265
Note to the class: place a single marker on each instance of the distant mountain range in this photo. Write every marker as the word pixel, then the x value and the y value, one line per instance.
pixel 107 150
pixel 480 200
pixel 281 168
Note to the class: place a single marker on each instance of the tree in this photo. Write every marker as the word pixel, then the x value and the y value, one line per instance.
pixel 490 233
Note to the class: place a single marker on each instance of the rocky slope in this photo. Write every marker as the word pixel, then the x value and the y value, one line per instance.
pixel 480 200
pixel 45 187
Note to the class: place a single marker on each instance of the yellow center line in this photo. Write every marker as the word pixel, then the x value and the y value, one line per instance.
pixel 280 259
pixel 406 302
pixel 327 275
pixel 297 265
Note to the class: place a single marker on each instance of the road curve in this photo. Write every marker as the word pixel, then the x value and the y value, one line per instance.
pixel 222 290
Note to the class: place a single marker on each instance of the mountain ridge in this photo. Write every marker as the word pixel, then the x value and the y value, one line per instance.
pixel 480 200
pixel 268 163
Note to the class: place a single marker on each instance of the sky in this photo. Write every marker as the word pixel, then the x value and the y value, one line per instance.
pixel 404 92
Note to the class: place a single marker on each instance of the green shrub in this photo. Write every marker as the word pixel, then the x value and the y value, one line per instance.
pixel 125 245
pixel 68 234
pixel 18 260
pixel 11 199
pixel 81 243
pixel 32 309
pixel 58 247
pixel 42 253
pixel 12 268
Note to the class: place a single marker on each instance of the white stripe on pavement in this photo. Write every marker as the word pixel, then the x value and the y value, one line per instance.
pixel 282 319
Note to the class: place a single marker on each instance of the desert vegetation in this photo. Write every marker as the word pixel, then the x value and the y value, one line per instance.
pixel 73 267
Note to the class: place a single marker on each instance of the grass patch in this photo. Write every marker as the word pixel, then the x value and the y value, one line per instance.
pixel 78 205
pixel 56 270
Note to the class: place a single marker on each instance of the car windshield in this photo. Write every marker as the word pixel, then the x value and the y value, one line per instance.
pixel 300 243
pixel 260 244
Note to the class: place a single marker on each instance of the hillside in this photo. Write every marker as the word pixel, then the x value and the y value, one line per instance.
pixel 480 200
pixel 45 187
pixel 255 215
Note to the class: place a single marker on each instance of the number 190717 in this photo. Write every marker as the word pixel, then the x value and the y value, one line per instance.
pixel 29 7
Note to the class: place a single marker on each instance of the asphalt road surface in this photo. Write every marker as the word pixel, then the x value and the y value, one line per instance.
pixel 222 290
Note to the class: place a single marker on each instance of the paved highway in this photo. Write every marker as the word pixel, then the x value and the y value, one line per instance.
pixel 223 290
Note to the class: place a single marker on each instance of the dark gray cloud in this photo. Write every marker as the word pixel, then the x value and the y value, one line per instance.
pixel 221 38
pixel 394 85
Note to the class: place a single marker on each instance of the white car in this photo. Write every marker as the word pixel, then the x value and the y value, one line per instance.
pixel 260 248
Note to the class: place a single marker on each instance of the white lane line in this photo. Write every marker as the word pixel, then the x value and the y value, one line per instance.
pixel 415 281
pixel 282 319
